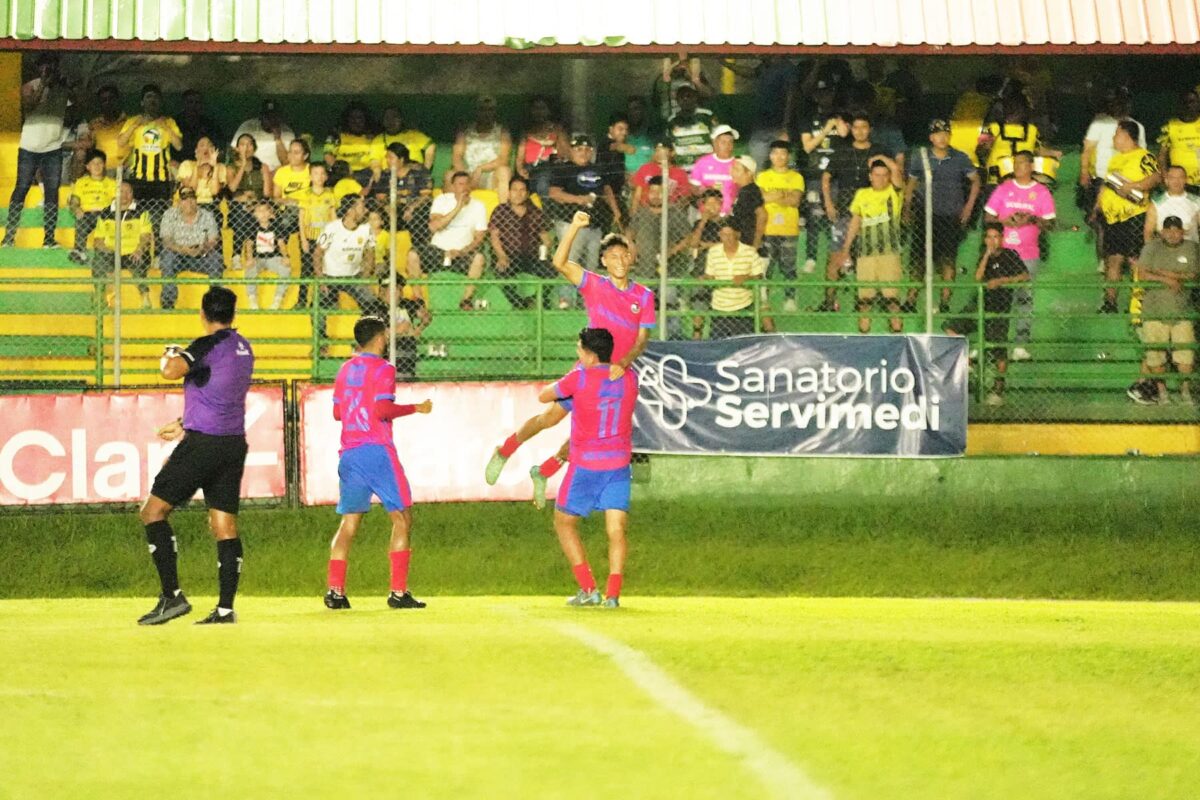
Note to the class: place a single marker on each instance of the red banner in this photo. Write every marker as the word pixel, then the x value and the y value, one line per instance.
pixel 443 452
pixel 101 447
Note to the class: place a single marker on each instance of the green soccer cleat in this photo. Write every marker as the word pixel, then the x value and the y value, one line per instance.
pixel 495 466
pixel 612 602
pixel 539 487
pixel 583 598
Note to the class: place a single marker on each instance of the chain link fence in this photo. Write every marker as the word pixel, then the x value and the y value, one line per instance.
pixel 475 296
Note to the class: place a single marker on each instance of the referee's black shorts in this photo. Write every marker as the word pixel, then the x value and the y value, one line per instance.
pixel 201 461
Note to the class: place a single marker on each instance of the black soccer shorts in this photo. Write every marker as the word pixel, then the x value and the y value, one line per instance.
pixel 213 464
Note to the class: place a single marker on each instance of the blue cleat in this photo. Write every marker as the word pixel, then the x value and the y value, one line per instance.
pixel 612 602
pixel 539 487
pixel 495 466
pixel 583 598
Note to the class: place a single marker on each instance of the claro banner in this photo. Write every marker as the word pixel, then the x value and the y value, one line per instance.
pixel 443 453
pixel 100 447
pixel 805 395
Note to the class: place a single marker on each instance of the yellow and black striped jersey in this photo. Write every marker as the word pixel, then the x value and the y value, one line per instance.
pixel 150 148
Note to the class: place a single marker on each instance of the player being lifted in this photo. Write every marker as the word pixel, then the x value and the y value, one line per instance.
pixel 364 402
pixel 613 302
pixel 216 371
pixel 599 476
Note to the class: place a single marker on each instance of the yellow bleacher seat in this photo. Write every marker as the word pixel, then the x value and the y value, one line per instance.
pixel 182 328
pixel 47 325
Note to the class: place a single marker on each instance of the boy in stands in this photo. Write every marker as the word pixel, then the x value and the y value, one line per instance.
pixel 364 402
pixel 599 476
pixel 620 305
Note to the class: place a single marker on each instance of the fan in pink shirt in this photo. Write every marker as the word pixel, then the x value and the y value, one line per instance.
pixel 1020 205
pixel 713 171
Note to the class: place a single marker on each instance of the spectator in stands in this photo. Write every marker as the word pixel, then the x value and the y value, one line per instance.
pixel 270 133
pixel 343 182
pixel 749 212
pixel 77 143
pixel 1025 208
pixel 421 149
pixel 732 260
pixel 643 133
pixel 483 150
pixel 194 123
pixel 823 130
pixel 1169 261
pixel 205 174
pixel 677 75
pixel 1098 142
pixel 289 183
pixel 249 180
pixel 998 270
pixel 459 224
pixel 353 143
pixel 706 234
pixel 645 235
pixel 414 186
pixel 152 138
pixel 875 217
pixel 1179 141
pixel 91 196
pixel 541 142
pixel 848 170
pixel 412 318
pixel 861 98
pixel 610 158
pixel 578 185
pixel 1003 140
pixel 520 242
pixel 44 102
pixel 190 241
pixel 136 238
pixel 267 250
pixel 1174 201
pixel 691 128
pixel 679 187
pixel 776 93
pixel 1122 202
pixel 106 126
pixel 954 190
pixel 783 192
pixel 712 171
pixel 345 249
pixel 317 208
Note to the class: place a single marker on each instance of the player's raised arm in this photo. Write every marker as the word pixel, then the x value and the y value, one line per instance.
pixel 562 262
pixel 173 365
pixel 549 393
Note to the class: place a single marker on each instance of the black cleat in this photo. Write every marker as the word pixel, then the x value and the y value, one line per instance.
pixel 336 601
pixel 215 618
pixel 168 608
pixel 405 600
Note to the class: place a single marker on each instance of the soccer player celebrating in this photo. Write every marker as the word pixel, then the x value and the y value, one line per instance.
pixel 364 402
pixel 616 303
pixel 216 371
pixel 601 439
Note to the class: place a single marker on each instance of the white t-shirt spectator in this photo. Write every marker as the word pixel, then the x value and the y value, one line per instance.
pixel 1185 206
pixel 1101 131
pixel 265 141
pixel 462 229
pixel 344 248
pixel 43 129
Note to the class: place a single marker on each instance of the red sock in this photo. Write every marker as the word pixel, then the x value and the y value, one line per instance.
pixel 337 575
pixel 614 586
pixel 510 446
pixel 400 559
pixel 550 466
pixel 583 575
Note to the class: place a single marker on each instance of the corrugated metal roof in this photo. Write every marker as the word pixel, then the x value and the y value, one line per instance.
pixel 684 23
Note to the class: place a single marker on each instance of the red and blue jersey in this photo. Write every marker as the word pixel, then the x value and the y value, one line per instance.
pixel 360 382
pixel 601 416
pixel 621 313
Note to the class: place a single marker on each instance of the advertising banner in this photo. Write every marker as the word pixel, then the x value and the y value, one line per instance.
pixel 443 453
pixel 804 395
pixel 101 447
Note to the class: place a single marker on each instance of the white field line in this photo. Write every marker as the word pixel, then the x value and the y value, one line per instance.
pixel 783 777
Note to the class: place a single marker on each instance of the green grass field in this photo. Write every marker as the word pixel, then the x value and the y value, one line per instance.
pixel 485 697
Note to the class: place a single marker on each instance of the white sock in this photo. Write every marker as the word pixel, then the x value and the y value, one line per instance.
pixel 224 612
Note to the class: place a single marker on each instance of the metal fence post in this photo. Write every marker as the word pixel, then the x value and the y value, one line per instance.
pixel 928 174
pixel 392 299
pixel 663 245
pixel 117 259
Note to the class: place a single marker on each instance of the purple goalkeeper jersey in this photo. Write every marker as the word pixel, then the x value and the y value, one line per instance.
pixel 214 389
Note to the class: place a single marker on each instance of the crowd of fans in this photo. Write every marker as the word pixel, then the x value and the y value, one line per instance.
pixel 830 155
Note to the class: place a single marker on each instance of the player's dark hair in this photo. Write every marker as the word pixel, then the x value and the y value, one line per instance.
pixel 993 226
pixel 617 117
pixel 1023 154
pixel 1130 127
pixel 856 116
pixel 780 144
pixel 303 146
pixel 612 240
pixel 93 154
pixel 219 305
pixel 347 203
pixel 367 328
pixel 598 341
pixel 321 165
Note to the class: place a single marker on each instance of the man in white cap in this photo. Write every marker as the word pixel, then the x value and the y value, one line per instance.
pixel 713 170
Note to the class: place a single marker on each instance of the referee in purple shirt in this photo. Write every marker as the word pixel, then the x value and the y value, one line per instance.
pixel 211 455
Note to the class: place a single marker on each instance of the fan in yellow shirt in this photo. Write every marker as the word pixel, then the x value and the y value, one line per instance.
pixel 352 143
pixel 1179 141
pixel 421 148
pixel 90 196
pixel 343 183
pixel 783 192
pixel 1123 200
pixel 318 207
